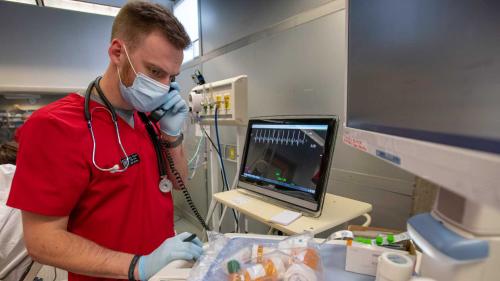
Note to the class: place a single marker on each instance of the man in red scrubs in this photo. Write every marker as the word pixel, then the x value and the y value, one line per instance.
pixel 85 208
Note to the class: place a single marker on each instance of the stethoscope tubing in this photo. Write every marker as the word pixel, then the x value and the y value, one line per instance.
pixel 115 168
pixel 150 127
pixel 88 117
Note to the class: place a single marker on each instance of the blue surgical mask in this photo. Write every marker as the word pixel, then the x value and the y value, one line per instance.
pixel 145 94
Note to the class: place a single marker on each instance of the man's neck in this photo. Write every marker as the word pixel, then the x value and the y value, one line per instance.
pixel 111 89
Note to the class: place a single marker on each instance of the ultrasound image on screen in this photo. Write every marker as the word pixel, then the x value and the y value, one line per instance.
pixel 286 158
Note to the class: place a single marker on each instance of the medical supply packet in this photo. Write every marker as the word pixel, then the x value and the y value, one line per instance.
pixel 294 258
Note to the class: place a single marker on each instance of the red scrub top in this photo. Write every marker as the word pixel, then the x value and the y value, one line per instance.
pixel 55 176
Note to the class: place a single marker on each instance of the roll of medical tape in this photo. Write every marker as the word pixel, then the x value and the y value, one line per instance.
pixel 394 267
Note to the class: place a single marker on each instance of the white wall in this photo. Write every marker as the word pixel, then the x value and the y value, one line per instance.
pixel 226 21
pixel 300 70
pixel 51 47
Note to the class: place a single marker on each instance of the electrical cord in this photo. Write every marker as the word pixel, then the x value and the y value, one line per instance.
pixel 55 274
pixel 185 192
pixel 162 152
pixel 197 151
pixel 210 139
pixel 219 146
pixel 222 160
pixel 193 162
pixel 195 167
pixel 218 153
pixel 219 158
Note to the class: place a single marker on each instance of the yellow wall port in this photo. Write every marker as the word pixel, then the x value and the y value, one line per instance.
pixel 218 101
pixel 227 101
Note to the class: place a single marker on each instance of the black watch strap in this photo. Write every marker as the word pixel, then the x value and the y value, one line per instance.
pixel 131 269
pixel 173 144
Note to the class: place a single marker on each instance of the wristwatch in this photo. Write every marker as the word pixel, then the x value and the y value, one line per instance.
pixel 177 142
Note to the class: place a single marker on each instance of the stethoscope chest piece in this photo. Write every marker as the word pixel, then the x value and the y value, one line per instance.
pixel 165 185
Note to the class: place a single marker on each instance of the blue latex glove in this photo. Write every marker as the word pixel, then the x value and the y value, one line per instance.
pixel 171 249
pixel 174 89
pixel 177 112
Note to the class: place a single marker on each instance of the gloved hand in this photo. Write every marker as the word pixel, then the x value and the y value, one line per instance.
pixel 171 249
pixel 177 112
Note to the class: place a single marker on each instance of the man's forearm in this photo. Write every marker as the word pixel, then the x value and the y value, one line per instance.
pixel 74 253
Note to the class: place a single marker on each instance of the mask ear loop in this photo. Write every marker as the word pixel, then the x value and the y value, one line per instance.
pixel 119 76
pixel 129 61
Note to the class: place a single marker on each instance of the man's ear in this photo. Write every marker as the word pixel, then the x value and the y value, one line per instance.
pixel 115 51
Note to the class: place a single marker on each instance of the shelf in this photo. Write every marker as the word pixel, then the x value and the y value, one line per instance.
pixel 23 91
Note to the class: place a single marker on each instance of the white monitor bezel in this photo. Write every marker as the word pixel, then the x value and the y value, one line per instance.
pixel 475 175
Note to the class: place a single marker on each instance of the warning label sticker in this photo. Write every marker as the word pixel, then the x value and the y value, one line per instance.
pixel 356 143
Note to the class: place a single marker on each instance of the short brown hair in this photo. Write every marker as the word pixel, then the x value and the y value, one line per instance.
pixel 8 153
pixel 139 18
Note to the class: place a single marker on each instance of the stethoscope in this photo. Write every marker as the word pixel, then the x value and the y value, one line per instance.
pixel 165 184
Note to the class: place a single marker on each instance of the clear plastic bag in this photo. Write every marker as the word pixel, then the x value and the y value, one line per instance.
pixel 295 258
pixel 216 243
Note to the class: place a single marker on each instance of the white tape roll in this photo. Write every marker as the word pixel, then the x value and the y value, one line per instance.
pixel 394 267
pixel 195 102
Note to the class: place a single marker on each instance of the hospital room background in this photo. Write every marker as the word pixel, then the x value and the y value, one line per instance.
pixel 292 51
